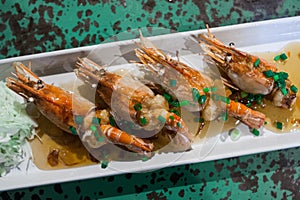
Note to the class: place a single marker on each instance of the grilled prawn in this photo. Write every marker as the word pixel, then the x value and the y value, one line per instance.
pixel 71 113
pixel 131 100
pixel 248 72
pixel 197 86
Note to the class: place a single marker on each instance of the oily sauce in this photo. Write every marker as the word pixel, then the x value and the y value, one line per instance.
pixel 73 153
pixel 289 118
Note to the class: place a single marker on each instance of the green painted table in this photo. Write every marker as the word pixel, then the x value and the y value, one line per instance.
pixel 34 26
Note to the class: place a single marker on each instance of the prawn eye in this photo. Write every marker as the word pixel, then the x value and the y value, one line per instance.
pixel 39 82
pixel 231 44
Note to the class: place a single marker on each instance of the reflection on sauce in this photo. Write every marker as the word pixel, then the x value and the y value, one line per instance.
pixel 289 118
pixel 71 152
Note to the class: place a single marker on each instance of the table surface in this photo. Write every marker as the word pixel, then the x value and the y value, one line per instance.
pixel 34 26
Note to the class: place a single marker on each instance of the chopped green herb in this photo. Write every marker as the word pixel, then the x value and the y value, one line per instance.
pixel 145 158
pixel 179 125
pixel 294 89
pixel 161 118
pixel 172 117
pixel 195 94
pixel 175 112
pixel 202 99
pixel 284 91
pixel 173 83
pixel 73 130
pixel 225 116
pixel 279 125
pixel 269 73
pixel 167 97
pixel 256 63
pixel 206 89
pixel 138 107
pixel 276 58
pixel 234 134
pixel 276 77
pixel 214 89
pixel 184 103
pixel 175 103
pixel 96 134
pixel 100 139
pixel 255 132
pixel 112 121
pixel 283 56
pixel 93 128
pixel 283 75
pixel 244 94
pixel 225 99
pixel 78 119
pixel 96 120
pixel 143 120
pixel 104 164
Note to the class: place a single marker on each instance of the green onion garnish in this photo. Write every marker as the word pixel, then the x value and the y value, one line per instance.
pixel 184 103
pixel 179 125
pixel 173 83
pixel 143 120
pixel 104 164
pixel 145 158
pixel 100 139
pixel 96 120
pixel 112 121
pixel 161 119
pixel 167 96
pixel 206 89
pixel 255 132
pixel 269 73
pixel 225 99
pixel 244 94
pixel 93 128
pixel 195 94
pixel 174 103
pixel 214 89
pixel 283 75
pixel 225 116
pixel 276 77
pixel 256 63
pixel 202 99
pixel 283 56
pixel 276 58
pixel 284 91
pixel 294 89
pixel 172 117
pixel 279 125
pixel 138 107
pixel 73 130
pixel 96 134
pixel 78 119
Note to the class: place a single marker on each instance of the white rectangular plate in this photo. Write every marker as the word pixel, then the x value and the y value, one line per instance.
pixel 269 35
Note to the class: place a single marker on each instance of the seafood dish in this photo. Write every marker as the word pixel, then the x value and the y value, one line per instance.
pixel 159 105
